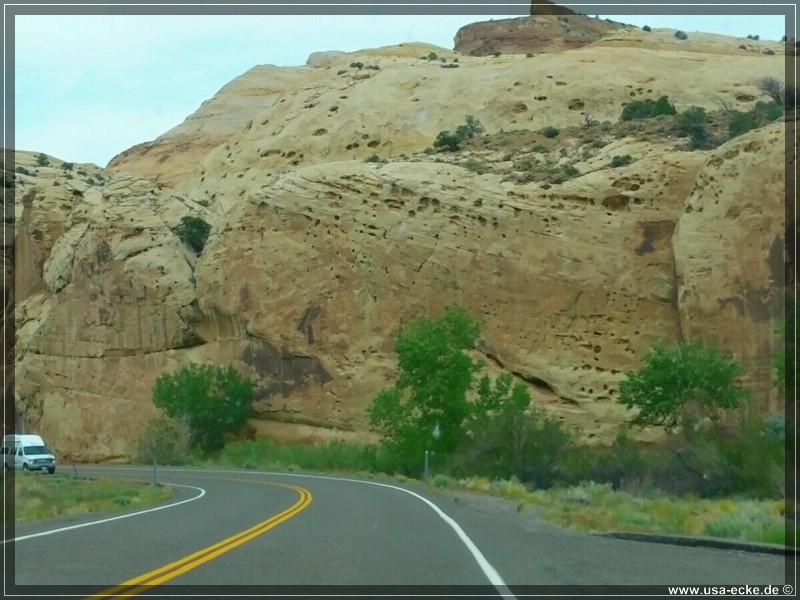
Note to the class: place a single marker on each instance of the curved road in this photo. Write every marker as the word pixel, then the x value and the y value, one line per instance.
pixel 251 532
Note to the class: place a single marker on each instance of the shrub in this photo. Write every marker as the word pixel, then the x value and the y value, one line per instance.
pixel 742 47
pixel 768 51
pixel 692 122
pixel 194 232
pixel 681 35
pixel 357 65
pixel 432 56
pixel 22 170
pixel 679 386
pixel 450 66
pixel 213 401
pixel 646 109
pixel 42 160
pixel 773 88
pixel 373 67
pixel 373 159
pixel 761 114
pixel 67 166
pixel 620 161
pixel 550 132
pixel 529 55
pixel 341 71
pixel 646 28
pixel 165 441
pixel 452 140
pixel 496 54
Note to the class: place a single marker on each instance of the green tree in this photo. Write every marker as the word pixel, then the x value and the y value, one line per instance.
pixel 677 382
pixel 194 232
pixel 42 160
pixel 213 400
pixel 510 437
pixel 430 394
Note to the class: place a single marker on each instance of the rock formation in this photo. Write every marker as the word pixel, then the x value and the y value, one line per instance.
pixel 331 225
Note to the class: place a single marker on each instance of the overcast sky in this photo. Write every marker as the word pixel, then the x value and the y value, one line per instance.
pixel 89 87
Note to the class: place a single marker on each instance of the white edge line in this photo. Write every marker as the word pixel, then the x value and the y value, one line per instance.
pixel 141 512
pixel 491 573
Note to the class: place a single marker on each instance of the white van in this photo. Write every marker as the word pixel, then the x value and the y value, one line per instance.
pixel 27 453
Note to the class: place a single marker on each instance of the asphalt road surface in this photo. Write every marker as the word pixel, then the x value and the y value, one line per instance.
pixel 251 533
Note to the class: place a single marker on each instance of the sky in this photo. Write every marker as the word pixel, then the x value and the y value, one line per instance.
pixel 88 87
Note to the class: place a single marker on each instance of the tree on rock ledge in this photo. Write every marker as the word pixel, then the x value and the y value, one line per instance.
pixel 213 400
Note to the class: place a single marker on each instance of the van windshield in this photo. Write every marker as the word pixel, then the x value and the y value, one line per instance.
pixel 34 450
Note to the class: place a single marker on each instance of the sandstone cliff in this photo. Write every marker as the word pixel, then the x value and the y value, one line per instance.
pixel 316 255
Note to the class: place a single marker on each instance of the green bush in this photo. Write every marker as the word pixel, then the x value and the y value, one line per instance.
pixel 761 114
pixel 679 386
pixel 646 28
pixel 373 159
pixel 451 141
pixel 22 170
pixel 450 66
pixel 681 35
pixel 165 441
pixel 213 400
pixel 357 65
pixel 646 109
pixel 67 166
pixel 42 160
pixel 692 122
pixel 621 161
pixel 550 132
pixel 193 232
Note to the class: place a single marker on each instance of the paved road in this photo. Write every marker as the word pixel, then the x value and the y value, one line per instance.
pixel 256 529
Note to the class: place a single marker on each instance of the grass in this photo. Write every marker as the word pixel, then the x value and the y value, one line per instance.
pixel 597 508
pixel 39 496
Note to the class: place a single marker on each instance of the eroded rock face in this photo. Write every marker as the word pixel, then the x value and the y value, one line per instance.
pixel 731 262
pixel 536 35
pixel 316 256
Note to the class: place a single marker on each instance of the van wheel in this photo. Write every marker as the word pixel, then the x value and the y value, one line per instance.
pixel 51 470
pixel 24 466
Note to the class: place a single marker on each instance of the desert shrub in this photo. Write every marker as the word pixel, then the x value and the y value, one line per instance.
pixel 42 160
pixel 496 54
pixel 752 37
pixel 550 132
pixel 761 114
pixel 213 400
pixel 193 232
pixel 742 47
pixel 165 441
pixel 768 51
pixel 450 66
pixel 22 170
pixel 646 109
pixel 692 122
pixel 621 161
pixel 356 65
pixel 529 55
pixel 67 166
pixel 510 438
pixel 773 88
pixel 373 159
pixel 646 28
pixel 373 67
pixel 742 456
pixel 451 141
pixel 341 71
pixel 681 35
pixel 432 56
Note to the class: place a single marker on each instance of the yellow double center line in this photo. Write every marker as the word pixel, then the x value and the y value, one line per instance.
pixel 144 582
